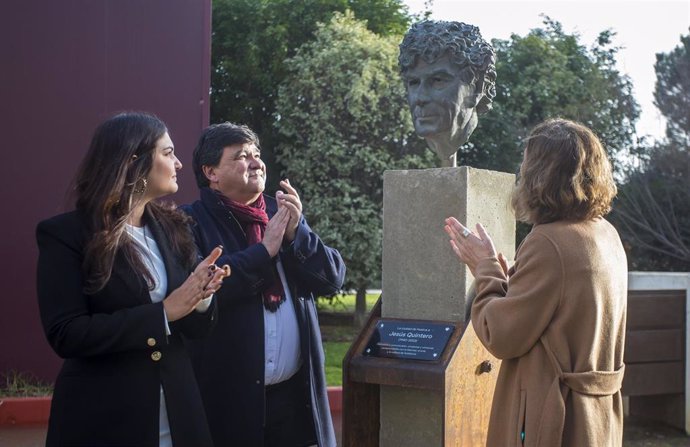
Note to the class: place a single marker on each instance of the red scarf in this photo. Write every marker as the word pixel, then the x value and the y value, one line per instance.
pixel 253 219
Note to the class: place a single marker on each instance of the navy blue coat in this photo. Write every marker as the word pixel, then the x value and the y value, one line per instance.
pixel 117 354
pixel 230 361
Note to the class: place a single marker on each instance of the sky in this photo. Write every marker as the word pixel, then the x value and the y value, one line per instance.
pixel 643 27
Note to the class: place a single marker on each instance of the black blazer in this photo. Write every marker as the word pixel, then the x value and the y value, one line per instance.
pixel 117 354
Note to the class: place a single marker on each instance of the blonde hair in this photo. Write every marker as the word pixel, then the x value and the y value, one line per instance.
pixel 565 175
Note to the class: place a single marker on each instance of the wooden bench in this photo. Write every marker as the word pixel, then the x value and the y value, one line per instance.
pixel 655 382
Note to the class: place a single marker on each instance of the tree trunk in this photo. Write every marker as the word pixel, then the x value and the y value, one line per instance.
pixel 360 306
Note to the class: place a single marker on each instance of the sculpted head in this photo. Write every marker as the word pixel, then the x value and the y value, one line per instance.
pixel 450 77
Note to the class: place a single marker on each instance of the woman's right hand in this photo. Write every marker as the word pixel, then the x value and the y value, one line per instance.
pixel 470 248
pixel 202 283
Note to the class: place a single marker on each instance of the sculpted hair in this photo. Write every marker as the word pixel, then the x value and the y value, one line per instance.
pixel 209 149
pixel 430 40
pixel 565 175
pixel 120 156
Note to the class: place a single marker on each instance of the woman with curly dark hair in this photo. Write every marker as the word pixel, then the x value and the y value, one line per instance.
pixel 116 296
pixel 557 317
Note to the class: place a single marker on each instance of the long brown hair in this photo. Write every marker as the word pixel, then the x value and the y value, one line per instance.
pixel 565 175
pixel 119 158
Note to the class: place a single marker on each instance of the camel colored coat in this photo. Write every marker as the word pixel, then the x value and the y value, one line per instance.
pixel 558 325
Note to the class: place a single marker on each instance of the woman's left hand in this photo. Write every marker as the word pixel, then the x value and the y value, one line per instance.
pixel 469 247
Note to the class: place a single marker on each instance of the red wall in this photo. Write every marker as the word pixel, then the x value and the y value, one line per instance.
pixel 66 66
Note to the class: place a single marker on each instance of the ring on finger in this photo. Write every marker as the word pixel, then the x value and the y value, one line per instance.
pixel 466 233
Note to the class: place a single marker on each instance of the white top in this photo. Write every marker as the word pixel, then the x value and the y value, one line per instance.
pixel 153 260
pixel 151 255
pixel 281 338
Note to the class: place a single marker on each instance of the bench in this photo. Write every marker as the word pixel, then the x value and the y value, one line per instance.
pixel 656 348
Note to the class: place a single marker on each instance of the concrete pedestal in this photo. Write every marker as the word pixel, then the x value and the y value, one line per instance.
pixel 422 279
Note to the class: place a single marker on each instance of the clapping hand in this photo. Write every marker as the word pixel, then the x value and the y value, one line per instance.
pixel 291 201
pixel 469 247
pixel 275 231
pixel 203 282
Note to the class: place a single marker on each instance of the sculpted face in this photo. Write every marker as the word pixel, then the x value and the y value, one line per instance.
pixel 442 104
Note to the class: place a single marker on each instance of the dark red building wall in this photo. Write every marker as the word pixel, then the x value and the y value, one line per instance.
pixel 66 66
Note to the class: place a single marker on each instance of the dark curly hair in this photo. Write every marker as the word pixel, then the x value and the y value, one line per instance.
pixel 430 40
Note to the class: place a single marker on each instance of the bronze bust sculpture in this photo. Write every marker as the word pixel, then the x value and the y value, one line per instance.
pixel 450 77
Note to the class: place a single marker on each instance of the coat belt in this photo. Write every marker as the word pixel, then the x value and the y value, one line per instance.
pixel 589 383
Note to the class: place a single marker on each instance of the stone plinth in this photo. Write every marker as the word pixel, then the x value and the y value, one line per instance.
pixel 422 279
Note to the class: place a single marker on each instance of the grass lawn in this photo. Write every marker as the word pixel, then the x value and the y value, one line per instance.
pixel 343 303
pixel 337 339
pixel 335 352
pixel 336 342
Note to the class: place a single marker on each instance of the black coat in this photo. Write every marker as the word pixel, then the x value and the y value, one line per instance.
pixel 116 351
pixel 230 361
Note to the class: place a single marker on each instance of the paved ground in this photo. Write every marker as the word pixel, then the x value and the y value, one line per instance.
pixel 23 437
pixel 640 433
pixel 637 434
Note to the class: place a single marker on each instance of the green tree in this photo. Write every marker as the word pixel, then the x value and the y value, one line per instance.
pixel 344 119
pixel 672 90
pixel 251 40
pixel 652 211
pixel 549 73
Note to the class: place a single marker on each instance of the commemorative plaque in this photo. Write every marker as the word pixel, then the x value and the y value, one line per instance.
pixel 409 339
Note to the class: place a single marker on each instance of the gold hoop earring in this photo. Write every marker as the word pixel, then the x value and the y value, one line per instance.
pixel 140 186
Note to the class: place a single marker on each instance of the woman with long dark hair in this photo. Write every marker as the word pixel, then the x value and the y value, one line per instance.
pixel 116 296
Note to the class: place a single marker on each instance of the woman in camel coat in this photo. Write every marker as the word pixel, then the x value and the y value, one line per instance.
pixel 557 317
